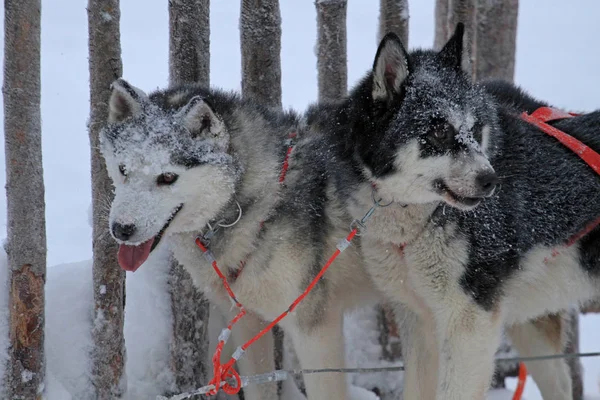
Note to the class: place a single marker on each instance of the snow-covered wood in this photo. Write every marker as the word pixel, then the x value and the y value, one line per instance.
pixel 573 347
pixel 260 41
pixel 108 354
pixel 331 49
pixel 189 41
pixel 26 227
pixel 441 28
pixel 448 13
pixel 495 39
pixel 189 341
pixel 393 17
pixel 189 61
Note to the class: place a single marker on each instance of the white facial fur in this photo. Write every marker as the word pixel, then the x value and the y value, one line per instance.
pixel 416 176
pixel 202 191
pixel 411 184
pixel 145 148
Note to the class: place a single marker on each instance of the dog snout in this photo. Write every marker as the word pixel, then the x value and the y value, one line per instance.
pixel 123 231
pixel 486 182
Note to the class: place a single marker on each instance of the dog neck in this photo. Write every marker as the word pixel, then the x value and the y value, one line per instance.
pixel 395 223
pixel 233 233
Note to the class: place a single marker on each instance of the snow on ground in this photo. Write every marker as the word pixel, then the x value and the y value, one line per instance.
pixel 364 351
pixel 68 327
pixel 147 335
pixel 148 329
pixel 555 61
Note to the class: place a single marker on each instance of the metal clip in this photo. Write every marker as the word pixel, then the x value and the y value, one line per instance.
pixel 360 224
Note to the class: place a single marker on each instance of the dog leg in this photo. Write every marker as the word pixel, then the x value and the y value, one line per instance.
pixel 259 357
pixel 322 346
pixel 419 350
pixel 543 336
pixel 468 338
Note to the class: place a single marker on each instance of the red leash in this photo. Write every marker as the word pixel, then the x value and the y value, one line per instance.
pixel 222 373
pixel 521 382
pixel 225 372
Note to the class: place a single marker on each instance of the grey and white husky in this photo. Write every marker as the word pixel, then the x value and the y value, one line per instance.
pixel 481 206
pixel 187 161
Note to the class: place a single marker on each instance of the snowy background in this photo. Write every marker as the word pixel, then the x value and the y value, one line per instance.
pixel 557 60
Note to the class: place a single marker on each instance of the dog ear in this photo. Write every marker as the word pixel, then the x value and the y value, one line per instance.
pixel 201 120
pixel 456 52
pixel 390 69
pixel 125 101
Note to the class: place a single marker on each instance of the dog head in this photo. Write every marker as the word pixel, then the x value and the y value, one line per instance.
pixel 428 130
pixel 170 166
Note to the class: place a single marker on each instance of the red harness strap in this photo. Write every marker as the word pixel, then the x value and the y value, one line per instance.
pixel 233 275
pixel 540 118
pixel 543 115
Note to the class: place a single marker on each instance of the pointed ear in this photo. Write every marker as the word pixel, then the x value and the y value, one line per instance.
pixel 456 53
pixel 200 119
pixel 390 69
pixel 125 101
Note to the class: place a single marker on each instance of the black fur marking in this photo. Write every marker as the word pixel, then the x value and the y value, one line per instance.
pixel 589 247
pixel 160 234
pixel 512 97
pixel 130 90
pixel 452 53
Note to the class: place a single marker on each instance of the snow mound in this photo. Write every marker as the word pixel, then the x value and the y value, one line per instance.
pixel 69 320
pixel 68 342
pixel 148 328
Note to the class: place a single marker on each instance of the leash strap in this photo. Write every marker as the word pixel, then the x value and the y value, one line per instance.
pixel 223 374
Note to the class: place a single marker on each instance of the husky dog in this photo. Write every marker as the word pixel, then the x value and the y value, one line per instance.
pixel 481 205
pixel 186 161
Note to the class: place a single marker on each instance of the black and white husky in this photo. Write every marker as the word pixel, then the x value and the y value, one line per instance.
pixel 481 207
pixel 187 161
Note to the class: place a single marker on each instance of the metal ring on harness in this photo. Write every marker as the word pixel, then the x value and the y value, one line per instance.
pixel 378 202
pixel 234 222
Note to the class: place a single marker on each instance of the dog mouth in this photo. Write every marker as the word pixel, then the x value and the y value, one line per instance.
pixel 454 199
pixel 131 257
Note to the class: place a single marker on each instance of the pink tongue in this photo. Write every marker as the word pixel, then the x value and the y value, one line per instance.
pixel 132 257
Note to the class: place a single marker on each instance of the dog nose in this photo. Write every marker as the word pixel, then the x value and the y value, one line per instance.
pixel 486 182
pixel 123 231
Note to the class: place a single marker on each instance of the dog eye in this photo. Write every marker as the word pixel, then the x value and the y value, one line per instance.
pixel 122 170
pixel 168 178
pixel 442 132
